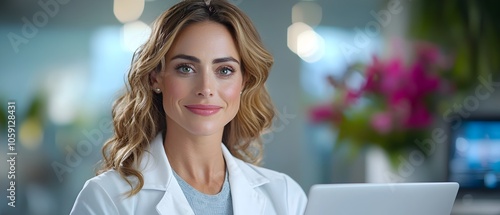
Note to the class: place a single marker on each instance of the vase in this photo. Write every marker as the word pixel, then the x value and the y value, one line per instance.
pixel 409 166
pixel 378 168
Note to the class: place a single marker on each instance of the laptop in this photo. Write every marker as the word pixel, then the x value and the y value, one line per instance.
pixel 434 198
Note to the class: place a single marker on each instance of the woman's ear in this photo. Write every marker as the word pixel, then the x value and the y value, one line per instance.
pixel 154 79
pixel 243 83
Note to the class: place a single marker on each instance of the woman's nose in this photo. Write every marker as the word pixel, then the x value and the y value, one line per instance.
pixel 205 85
pixel 205 93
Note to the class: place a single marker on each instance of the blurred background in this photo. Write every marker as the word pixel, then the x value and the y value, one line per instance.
pixel 366 91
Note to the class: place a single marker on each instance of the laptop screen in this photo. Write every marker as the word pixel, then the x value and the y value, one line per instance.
pixel 382 199
pixel 474 154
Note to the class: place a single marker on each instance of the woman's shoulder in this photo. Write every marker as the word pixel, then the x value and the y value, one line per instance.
pixel 100 194
pixel 260 175
pixel 270 174
pixel 110 180
pixel 278 186
pixel 107 193
pixel 274 177
pixel 109 185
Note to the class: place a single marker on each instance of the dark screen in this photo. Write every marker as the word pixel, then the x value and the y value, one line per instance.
pixel 474 156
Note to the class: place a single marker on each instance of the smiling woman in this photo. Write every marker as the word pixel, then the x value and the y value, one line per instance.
pixel 202 78
pixel 197 82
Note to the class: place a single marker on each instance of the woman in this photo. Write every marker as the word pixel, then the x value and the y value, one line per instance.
pixel 196 83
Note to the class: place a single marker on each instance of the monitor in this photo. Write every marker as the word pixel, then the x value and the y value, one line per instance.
pixel 474 154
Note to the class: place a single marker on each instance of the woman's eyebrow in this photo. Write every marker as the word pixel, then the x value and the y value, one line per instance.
pixel 196 60
pixel 225 59
pixel 186 57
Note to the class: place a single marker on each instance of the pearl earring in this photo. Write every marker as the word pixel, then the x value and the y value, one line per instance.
pixel 158 90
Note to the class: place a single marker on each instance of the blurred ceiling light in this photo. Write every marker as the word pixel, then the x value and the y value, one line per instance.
pixel 128 10
pixel 31 133
pixel 134 34
pixel 307 12
pixel 293 33
pixel 310 46
pixel 305 42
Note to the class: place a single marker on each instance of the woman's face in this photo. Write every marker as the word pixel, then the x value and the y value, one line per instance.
pixel 202 80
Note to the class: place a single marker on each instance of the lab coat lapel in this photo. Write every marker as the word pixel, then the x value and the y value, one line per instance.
pixel 245 199
pixel 174 201
pixel 244 182
pixel 158 176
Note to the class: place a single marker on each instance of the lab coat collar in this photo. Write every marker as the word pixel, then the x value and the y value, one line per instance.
pixel 243 180
pixel 158 175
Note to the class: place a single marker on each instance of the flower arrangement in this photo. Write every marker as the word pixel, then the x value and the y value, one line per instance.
pixel 395 105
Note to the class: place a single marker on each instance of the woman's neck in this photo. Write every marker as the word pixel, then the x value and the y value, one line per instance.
pixel 196 159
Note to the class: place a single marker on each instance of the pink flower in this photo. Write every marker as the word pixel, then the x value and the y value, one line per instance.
pixel 382 122
pixel 393 77
pixel 323 113
pixel 373 73
pixel 402 88
pixel 424 82
pixel 419 116
pixel 400 98
pixel 352 96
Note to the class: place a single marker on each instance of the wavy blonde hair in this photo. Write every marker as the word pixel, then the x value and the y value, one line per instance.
pixel 138 114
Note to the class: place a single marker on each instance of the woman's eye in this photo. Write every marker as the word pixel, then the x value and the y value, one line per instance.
pixel 226 71
pixel 184 69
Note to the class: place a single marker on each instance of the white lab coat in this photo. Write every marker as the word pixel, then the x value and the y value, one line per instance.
pixel 255 190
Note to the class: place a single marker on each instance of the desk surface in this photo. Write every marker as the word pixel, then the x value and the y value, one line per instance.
pixel 476 207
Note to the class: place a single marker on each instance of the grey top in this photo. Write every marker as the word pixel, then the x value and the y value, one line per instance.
pixel 218 204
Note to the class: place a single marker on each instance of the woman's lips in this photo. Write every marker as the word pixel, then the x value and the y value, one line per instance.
pixel 203 110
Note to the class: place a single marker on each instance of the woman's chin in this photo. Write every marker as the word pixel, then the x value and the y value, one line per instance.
pixel 205 131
